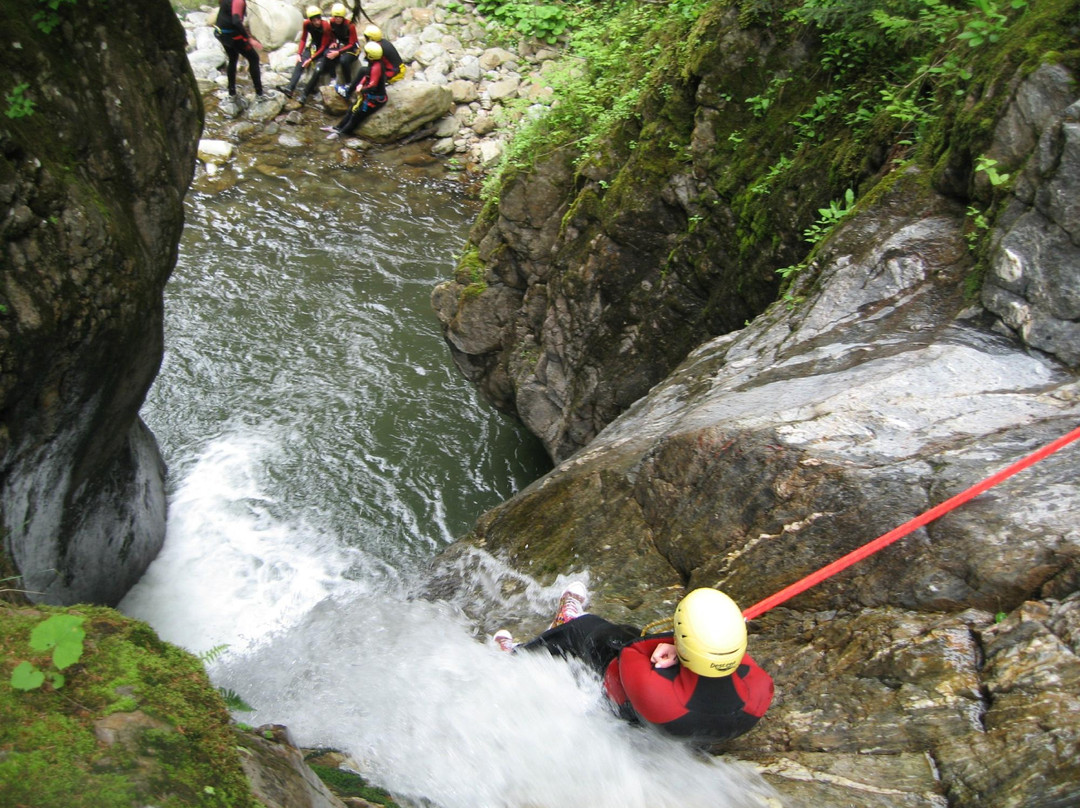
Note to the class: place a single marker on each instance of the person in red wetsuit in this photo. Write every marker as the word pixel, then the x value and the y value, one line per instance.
pixel 695 682
pixel 231 31
pixel 372 95
pixel 315 38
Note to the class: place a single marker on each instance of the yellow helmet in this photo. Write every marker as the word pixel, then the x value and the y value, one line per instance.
pixel 373 32
pixel 710 633
pixel 313 11
pixel 339 10
pixel 373 51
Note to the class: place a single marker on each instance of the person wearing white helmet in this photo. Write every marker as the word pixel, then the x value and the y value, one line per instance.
pixel 315 38
pixel 695 682
pixel 372 95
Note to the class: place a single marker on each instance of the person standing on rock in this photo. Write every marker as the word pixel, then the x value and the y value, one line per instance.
pixel 695 682
pixel 315 38
pixel 372 95
pixel 232 32
pixel 391 60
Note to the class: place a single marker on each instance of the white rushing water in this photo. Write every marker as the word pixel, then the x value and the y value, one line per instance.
pixel 311 480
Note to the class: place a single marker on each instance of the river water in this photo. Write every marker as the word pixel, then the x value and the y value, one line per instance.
pixel 322 449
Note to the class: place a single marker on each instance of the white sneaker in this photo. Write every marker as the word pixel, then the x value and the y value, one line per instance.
pixel 504 640
pixel 571 604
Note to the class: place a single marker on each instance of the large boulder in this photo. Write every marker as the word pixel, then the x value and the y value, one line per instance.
pixel 410 106
pixel 274 22
pixel 92 179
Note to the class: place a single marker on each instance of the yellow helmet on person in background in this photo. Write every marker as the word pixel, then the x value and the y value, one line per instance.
pixel 710 633
pixel 373 51
pixel 339 10
pixel 313 11
pixel 372 32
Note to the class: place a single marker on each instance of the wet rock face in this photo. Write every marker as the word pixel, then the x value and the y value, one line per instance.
pixel 775 450
pixel 1034 283
pixel 92 177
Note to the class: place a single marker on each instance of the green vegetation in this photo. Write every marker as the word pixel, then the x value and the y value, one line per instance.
pixel 18 104
pixel 47 18
pixel 171 740
pixel 348 784
pixel 63 635
pixel 880 85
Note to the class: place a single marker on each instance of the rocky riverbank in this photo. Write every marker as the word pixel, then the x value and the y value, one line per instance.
pixel 460 95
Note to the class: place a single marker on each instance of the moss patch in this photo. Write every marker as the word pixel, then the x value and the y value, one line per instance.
pixel 136 723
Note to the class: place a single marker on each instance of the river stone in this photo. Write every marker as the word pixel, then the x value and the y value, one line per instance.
pixel 497 57
pixel 503 89
pixel 464 92
pixel 429 53
pixel 215 151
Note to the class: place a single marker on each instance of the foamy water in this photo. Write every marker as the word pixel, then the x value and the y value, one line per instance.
pixel 322 448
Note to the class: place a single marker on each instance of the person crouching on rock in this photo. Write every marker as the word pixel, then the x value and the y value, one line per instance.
pixel 694 682
pixel 231 31
pixel 315 38
pixel 372 94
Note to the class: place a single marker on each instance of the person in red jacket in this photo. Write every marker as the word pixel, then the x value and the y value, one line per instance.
pixel 315 38
pixel 695 682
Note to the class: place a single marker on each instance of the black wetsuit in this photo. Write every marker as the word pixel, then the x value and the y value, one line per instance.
pixel 234 37
pixel 346 45
pixel 677 700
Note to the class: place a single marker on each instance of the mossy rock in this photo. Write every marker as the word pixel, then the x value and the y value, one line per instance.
pixel 135 723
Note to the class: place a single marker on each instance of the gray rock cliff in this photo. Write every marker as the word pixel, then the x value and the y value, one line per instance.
pixel 96 152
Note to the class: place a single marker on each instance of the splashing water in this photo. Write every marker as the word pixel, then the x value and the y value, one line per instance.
pixel 322 448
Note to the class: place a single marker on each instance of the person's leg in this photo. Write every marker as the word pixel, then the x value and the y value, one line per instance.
pixel 252 57
pixel 230 69
pixel 345 67
pixel 363 71
pixel 319 69
pixel 589 638
pixel 297 74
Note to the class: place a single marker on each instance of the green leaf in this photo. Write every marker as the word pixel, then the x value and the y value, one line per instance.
pixel 64 634
pixel 26 677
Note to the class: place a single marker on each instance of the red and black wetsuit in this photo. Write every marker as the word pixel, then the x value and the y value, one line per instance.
pixel 391 62
pixel 234 37
pixel 675 699
pixel 318 31
pixel 345 50
pixel 372 96
pixel 680 701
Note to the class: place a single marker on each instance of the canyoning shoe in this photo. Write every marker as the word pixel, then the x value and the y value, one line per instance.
pixel 342 90
pixel 333 136
pixel 504 640
pixel 328 128
pixel 285 91
pixel 571 604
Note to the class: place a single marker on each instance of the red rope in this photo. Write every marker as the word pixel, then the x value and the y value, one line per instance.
pixel 927 516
